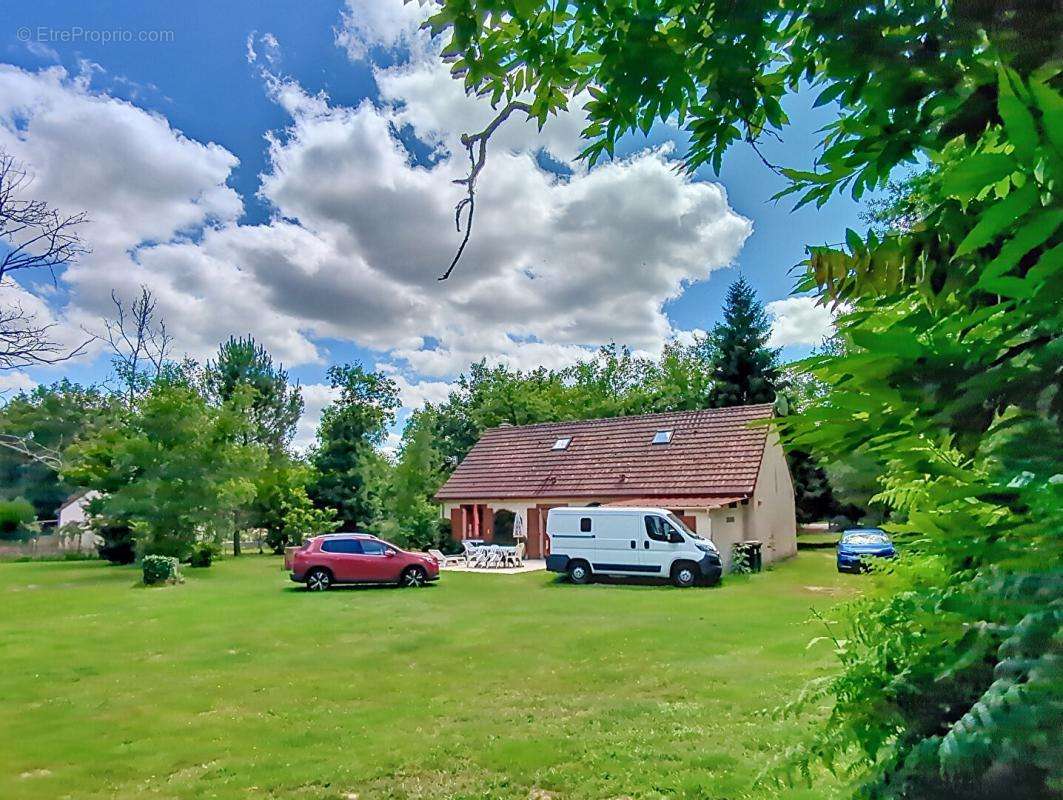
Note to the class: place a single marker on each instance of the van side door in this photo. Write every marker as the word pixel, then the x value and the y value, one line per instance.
pixel 659 547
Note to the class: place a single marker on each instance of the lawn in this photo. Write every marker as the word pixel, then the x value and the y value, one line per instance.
pixel 237 684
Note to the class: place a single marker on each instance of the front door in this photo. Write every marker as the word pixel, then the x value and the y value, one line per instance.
pixel 375 564
pixel 658 548
pixel 342 557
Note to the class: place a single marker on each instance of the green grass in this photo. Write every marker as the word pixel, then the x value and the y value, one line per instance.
pixel 238 685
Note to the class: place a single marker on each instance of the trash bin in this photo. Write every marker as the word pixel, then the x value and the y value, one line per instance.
pixel 752 548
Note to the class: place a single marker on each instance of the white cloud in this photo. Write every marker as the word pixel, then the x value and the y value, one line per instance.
pixel 13 381
pixel 798 320
pixel 360 231
pixel 385 24
pixel 315 397
pixel 413 395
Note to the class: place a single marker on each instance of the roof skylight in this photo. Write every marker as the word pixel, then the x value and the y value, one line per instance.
pixel 662 437
pixel 562 443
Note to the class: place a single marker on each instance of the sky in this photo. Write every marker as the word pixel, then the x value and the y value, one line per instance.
pixel 285 170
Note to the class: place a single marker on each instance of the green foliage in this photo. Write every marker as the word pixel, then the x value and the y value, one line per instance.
pixel 160 569
pixel 612 383
pixel 273 406
pixel 50 417
pixel 745 370
pixel 283 507
pixel 950 372
pixel 740 564
pixel 16 518
pixel 203 554
pixel 117 543
pixel 173 471
pixel 350 473
pixel 412 520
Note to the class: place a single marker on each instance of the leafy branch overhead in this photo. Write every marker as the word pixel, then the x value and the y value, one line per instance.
pixel 947 372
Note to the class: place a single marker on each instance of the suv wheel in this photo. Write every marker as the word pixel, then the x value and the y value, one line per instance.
pixel 579 572
pixel 414 577
pixel 318 579
pixel 684 575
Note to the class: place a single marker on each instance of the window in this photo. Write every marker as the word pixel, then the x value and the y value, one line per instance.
pixel 585 524
pixel 562 443
pixel 341 546
pixel 660 531
pixel 371 547
pixel 662 437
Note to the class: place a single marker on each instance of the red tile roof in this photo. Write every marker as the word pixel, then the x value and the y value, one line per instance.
pixel 676 502
pixel 714 452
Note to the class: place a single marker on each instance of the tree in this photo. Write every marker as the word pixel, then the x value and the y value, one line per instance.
pixel 349 470
pixel 745 370
pixel 951 683
pixel 273 409
pixel 138 341
pixel 173 472
pixel 275 406
pixel 36 428
pixel 35 237
pixel 16 518
pixel 412 519
pixel 282 506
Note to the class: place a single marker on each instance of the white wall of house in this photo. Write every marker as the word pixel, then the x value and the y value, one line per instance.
pixel 74 512
pixel 771 514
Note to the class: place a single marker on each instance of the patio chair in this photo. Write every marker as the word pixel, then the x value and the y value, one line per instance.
pixel 445 560
pixel 473 554
pixel 494 557
pixel 515 558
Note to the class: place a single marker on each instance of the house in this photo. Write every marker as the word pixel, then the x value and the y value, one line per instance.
pixel 722 471
pixel 73 511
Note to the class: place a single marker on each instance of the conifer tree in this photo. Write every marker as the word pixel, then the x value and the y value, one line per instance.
pixel 745 370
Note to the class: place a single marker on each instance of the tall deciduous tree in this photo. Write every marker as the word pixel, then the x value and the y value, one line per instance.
pixel 952 684
pixel 173 472
pixel 349 470
pixel 744 369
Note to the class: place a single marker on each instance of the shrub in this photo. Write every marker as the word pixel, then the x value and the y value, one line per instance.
pixel 118 545
pixel 160 569
pixel 740 559
pixel 16 518
pixel 204 553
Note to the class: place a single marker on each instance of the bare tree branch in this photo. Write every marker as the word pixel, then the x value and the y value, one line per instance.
pixel 24 342
pixel 138 340
pixel 27 447
pixel 34 236
pixel 476 145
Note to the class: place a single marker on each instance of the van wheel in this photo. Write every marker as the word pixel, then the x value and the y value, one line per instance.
pixel 579 572
pixel 684 574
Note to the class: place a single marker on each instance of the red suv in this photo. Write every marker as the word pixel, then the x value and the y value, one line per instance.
pixel 359 558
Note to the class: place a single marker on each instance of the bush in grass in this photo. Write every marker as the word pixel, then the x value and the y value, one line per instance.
pixel 160 569
pixel 16 518
pixel 203 554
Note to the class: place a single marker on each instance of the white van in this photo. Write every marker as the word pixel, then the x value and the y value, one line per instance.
pixel 585 542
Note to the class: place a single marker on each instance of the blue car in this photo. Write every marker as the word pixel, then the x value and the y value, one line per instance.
pixel 859 544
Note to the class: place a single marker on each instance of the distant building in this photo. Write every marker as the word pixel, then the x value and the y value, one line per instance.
pixel 720 471
pixel 73 511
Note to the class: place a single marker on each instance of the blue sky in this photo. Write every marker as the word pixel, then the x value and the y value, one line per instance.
pixel 221 119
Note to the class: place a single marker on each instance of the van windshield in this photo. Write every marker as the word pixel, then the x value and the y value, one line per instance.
pixel 678 523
